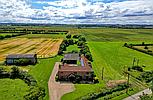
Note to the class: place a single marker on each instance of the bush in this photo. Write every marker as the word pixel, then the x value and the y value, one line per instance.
pixel 81 38
pixel 138 68
pixel 35 93
pixel 76 36
pixel 68 36
pixel 14 73
pixel 146 76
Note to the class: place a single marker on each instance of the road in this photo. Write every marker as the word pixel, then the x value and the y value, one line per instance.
pixel 136 96
pixel 57 89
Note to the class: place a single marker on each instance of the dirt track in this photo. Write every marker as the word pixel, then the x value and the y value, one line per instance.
pixel 57 89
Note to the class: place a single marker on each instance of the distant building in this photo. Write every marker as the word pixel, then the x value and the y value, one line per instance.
pixel 21 59
pixel 74 65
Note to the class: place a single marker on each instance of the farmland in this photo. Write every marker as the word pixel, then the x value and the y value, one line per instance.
pixel 43 47
pixel 106 46
pixel 113 57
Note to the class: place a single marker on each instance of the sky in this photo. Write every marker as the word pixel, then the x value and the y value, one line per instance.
pixel 77 11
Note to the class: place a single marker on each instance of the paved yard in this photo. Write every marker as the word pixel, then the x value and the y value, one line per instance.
pixel 57 89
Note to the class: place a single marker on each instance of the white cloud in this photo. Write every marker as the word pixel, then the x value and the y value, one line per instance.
pixel 77 11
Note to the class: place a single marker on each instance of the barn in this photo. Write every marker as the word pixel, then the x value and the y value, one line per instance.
pixel 21 59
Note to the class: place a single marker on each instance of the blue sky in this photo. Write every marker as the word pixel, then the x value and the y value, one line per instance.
pixel 77 11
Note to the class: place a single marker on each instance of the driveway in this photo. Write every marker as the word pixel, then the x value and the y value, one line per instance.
pixel 57 89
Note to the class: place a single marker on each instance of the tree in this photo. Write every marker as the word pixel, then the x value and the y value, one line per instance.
pixel 145 47
pixel 14 72
pixel 1 70
pixel 68 36
pixel 81 38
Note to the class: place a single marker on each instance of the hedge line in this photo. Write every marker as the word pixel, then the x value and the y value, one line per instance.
pixel 102 93
pixel 9 36
pixel 141 50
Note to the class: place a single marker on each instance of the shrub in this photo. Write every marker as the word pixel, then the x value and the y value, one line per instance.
pixel 81 38
pixel 146 76
pixel 138 68
pixel 35 93
pixel 14 73
pixel 68 36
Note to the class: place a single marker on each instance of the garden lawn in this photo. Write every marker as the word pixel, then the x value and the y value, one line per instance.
pixel 42 71
pixel 70 48
pixel 12 89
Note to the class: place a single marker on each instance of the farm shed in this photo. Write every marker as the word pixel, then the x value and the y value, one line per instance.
pixel 21 59
pixel 71 58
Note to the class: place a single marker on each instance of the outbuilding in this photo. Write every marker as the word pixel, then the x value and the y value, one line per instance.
pixel 21 59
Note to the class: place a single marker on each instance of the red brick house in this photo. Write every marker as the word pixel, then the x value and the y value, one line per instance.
pixel 75 66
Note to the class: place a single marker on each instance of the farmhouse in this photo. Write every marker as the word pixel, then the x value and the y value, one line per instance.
pixel 74 67
pixel 21 59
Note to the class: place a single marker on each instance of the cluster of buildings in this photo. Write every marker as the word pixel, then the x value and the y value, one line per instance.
pixel 75 66
pixel 72 67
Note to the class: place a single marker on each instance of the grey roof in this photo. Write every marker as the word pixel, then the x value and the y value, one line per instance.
pixel 71 56
pixel 21 56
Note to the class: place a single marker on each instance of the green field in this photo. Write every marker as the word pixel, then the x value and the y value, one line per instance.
pixel 42 71
pixel 108 52
pixel 113 57
pixel 12 89
pixel 114 34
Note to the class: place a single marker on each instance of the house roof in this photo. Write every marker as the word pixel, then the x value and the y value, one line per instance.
pixel 72 68
pixel 21 56
pixel 71 56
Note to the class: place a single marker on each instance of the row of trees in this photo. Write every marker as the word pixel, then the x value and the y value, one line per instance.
pixel 145 50
pixel 80 42
pixel 9 36
pixel 35 92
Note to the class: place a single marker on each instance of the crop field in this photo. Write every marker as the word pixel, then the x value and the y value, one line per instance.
pixel 43 47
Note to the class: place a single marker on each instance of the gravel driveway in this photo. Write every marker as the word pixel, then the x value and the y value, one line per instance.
pixel 57 89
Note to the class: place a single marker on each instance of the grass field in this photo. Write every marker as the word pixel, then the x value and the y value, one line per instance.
pixel 42 71
pixel 114 34
pixel 113 57
pixel 12 89
pixel 43 47
pixel 108 52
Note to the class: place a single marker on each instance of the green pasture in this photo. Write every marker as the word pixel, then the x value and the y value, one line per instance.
pixel 12 89
pixel 115 34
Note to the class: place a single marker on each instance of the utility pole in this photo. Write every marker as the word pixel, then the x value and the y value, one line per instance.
pixel 128 81
pixel 133 61
pixel 102 73
pixel 137 62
